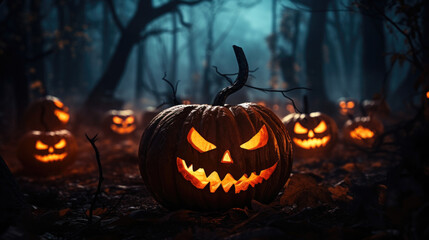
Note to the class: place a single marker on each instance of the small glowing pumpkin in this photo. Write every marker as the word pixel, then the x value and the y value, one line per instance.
pixel 47 152
pixel 362 131
pixel 120 122
pixel 313 134
pixel 47 114
pixel 347 106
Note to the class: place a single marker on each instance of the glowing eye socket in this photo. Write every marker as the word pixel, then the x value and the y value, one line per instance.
pixel 257 141
pixel 58 103
pixel 198 142
pixel 321 127
pixel 61 144
pixel 129 120
pixel 117 120
pixel 299 129
pixel 350 105
pixel 343 104
pixel 41 146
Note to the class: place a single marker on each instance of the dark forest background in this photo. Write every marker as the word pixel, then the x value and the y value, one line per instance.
pixel 102 54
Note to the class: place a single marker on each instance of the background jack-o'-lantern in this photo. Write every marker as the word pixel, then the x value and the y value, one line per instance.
pixel 47 152
pixel 218 156
pixel 47 114
pixel 313 134
pixel 347 106
pixel 120 122
pixel 362 131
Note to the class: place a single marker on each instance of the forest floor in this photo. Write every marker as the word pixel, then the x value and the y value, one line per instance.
pixel 350 195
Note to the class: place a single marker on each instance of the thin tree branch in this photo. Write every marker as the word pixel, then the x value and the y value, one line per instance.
pixel 265 90
pixel 100 175
pixel 155 32
pixel 182 20
pixel 173 89
pixel 115 16
pixel 173 5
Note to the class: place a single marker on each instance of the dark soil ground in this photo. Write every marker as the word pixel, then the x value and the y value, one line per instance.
pixel 352 194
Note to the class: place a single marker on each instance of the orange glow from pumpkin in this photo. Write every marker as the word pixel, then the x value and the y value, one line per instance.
pixel 61 144
pixel 186 102
pixel 299 129
pixel 361 133
pixel 58 103
pixel 62 116
pixel 321 127
pixel 343 104
pixel 259 140
pixel 117 120
pixel 275 107
pixel 41 146
pixel 350 104
pixel 198 142
pixel 427 94
pixel 226 157
pixel 261 103
pixel 129 120
pixel 312 142
pixel 290 108
pixel 199 179
pixel 122 129
pixel 51 157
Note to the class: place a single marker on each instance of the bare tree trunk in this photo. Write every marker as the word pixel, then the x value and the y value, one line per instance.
pixel 174 58
pixel 107 35
pixel 193 64
pixel 141 64
pixel 205 96
pixel 36 42
pixel 314 55
pixel 273 61
pixel 373 59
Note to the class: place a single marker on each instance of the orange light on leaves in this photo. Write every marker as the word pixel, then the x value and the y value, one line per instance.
pixel 199 179
pixel 361 133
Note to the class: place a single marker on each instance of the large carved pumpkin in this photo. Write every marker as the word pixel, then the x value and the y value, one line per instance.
pixel 362 131
pixel 208 157
pixel 47 152
pixel 120 122
pixel 47 114
pixel 215 157
pixel 313 134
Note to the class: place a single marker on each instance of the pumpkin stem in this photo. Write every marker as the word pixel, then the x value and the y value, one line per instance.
pixel 240 81
pixel 306 110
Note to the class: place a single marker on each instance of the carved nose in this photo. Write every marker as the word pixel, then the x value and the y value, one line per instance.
pixel 310 134
pixel 51 149
pixel 226 157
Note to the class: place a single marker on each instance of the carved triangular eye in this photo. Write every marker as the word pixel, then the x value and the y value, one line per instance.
pixel 117 120
pixel 350 104
pixel 61 144
pixel 198 142
pixel 321 127
pixel 58 103
pixel 129 120
pixel 41 146
pixel 299 129
pixel 259 140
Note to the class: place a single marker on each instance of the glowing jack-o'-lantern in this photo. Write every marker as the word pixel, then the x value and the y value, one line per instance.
pixel 218 156
pixel 313 134
pixel 120 122
pixel 362 131
pixel 47 114
pixel 215 157
pixel 47 152
pixel 347 106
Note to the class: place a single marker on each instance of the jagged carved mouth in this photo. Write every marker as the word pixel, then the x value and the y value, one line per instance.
pixel 312 142
pixel 199 179
pixel 123 130
pixel 361 133
pixel 51 157
pixel 62 116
